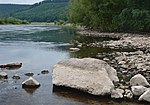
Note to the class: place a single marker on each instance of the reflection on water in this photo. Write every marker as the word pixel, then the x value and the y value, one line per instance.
pixel 40 47
pixel 87 99
pixel 30 90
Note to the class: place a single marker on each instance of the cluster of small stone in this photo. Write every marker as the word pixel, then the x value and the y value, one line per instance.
pixel 139 88
pixel 130 42
pixel 29 83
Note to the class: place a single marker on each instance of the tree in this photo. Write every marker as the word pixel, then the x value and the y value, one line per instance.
pixel 111 15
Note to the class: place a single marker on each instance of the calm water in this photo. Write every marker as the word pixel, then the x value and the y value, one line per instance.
pixel 39 47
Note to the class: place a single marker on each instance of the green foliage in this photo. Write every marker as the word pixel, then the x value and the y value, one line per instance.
pixel 111 15
pixel 44 12
pixel 60 22
pixel 11 20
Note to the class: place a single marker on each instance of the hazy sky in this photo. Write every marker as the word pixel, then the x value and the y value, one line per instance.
pixel 19 1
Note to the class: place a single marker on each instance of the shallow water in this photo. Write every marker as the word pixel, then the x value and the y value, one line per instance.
pixel 39 47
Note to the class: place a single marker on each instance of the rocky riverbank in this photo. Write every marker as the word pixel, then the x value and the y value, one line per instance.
pixel 129 56
pixel 96 77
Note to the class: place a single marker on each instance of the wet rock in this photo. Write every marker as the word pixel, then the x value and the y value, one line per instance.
pixel 44 72
pixel 30 83
pixel 138 90
pixel 128 94
pixel 79 45
pixel 117 93
pixel 11 65
pixel 29 74
pixel 90 75
pixel 145 96
pixel 139 80
pixel 3 75
pixel 16 77
pixel 74 49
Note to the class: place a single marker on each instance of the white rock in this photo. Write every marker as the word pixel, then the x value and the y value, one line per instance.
pixel 145 96
pixel 30 83
pixel 138 90
pixel 90 75
pixel 117 93
pixel 139 80
pixel 74 49
pixel 3 75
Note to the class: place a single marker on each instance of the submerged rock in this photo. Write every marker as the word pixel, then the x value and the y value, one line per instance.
pixel 44 72
pixel 16 77
pixel 3 75
pixel 11 65
pixel 145 96
pixel 29 74
pixel 139 80
pixel 30 83
pixel 89 75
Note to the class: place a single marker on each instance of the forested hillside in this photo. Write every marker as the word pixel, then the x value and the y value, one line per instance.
pixel 6 10
pixel 111 15
pixel 45 11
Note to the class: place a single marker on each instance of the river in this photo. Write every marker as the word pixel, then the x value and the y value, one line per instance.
pixel 40 47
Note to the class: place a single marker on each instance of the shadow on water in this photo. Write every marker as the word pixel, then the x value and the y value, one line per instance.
pixel 30 90
pixel 93 51
pixel 88 99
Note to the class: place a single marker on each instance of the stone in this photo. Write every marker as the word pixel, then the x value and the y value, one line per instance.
pixel 138 90
pixel 11 65
pixel 117 93
pixel 16 77
pixel 128 94
pixel 139 80
pixel 145 96
pixel 74 49
pixel 89 75
pixel 3 75
pixel 44 72
pixel 30 83
pixel 29 74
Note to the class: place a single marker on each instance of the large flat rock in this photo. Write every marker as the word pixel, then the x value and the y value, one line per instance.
pixel 89 75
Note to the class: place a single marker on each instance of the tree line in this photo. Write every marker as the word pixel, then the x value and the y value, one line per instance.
pixel 11 20
pixel 111 15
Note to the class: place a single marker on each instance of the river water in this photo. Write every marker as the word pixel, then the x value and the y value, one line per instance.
pixel 40 47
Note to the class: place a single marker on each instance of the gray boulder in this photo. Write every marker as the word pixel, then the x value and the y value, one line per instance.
pixel 117 93
pixel 3 75
pixel 90 75
pixel 138 90
pixel 139 80
pixel 145 96
pixel 30 83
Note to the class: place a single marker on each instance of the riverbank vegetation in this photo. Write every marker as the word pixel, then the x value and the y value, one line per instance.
pixel 111 15
pixel 11 20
